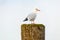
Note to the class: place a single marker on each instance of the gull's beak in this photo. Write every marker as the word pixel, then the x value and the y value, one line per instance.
pixel 37 9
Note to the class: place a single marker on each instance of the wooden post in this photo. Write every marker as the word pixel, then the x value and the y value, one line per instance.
pixel 33 32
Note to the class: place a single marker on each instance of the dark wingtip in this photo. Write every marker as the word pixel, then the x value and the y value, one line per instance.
pixel 25 19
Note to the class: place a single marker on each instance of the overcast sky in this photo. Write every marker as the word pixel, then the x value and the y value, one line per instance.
pixel 12 13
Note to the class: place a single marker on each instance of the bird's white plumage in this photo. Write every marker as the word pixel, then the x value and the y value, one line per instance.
pixel 31 17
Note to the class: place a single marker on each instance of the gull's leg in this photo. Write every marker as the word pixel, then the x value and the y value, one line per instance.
pixel 33 22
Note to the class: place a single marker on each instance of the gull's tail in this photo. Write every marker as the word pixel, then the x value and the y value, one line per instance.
pixel 26 19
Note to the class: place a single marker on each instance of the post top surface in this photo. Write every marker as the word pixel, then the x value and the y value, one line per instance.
pixel 33 25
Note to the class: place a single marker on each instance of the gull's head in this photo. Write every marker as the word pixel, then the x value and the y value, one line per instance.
pixel 36 10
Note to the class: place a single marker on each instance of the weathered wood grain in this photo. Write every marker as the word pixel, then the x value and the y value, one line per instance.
pixel 33 32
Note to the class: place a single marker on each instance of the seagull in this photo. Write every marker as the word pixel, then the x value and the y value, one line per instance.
pixel 32 16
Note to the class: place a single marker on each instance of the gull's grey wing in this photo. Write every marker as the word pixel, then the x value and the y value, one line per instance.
pixel 31 16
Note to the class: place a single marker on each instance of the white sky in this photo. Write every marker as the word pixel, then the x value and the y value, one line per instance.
pixel 12 12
